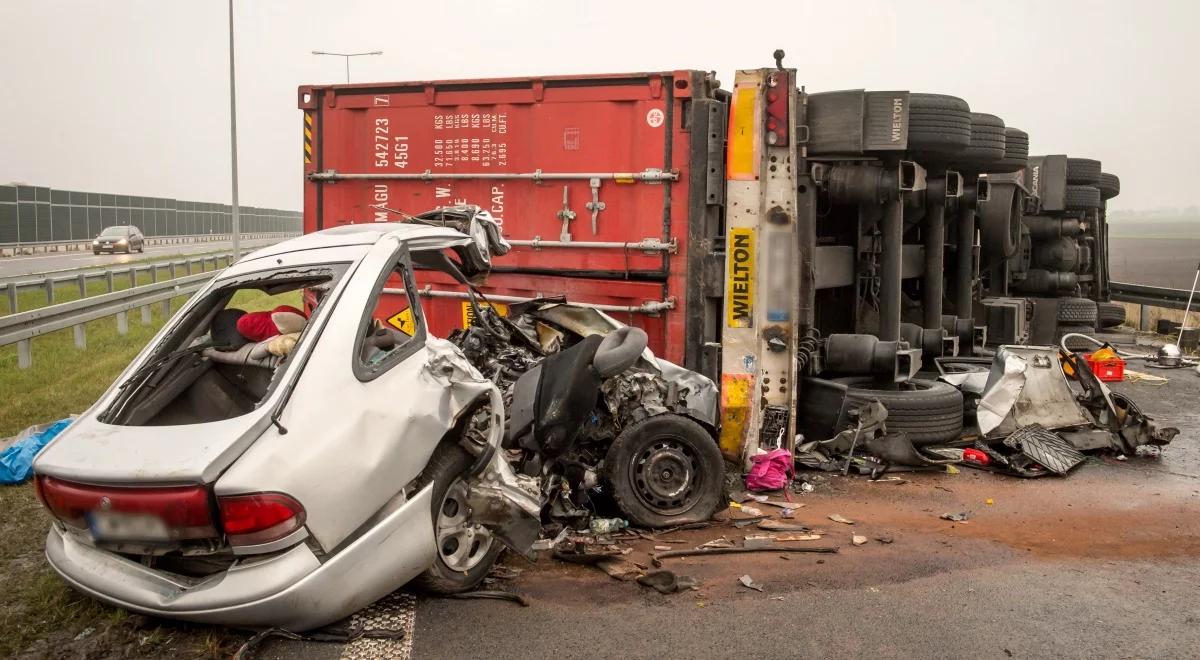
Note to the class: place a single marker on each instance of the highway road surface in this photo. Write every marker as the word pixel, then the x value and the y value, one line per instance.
pixel 35 264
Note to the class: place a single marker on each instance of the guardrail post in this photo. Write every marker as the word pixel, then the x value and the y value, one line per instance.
pixel 24 354
pixel 1143 317
pixel 153 273
pixel 122 323
pixel 145 314
pixel 49 291
pixel 12 297
pixel 80 336
pixel 82 285
pixel 187 264
pixel 132 277
pixel 166 305
pixel 172 270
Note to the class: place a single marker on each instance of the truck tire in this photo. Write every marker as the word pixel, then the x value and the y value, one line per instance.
pixel 1016 151
pixel 987 141
pixel 1076 345
pixel 1081 198
pixel 453 571
pixel 1110 314
pixel 1077 311
pixel 1109 185
pixel 665 470
pixel 928 411
pixel 1083 171
pixel 938 123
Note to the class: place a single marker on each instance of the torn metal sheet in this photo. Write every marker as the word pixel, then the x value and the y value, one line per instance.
pixel 1045 448
pixel 1027 386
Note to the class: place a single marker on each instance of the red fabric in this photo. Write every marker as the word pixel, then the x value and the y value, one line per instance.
pixel 258 326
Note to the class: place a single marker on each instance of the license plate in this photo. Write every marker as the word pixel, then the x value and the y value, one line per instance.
pixel 117 526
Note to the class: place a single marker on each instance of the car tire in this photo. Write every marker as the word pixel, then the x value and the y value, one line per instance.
pixel 1016 152
pixel 681 447
pixel 1083 171
pixel 938 123
pixel 1109 185
pixel 1110 314
pixel 1081 198
pixel 1077 311
pixel 1073 344
pixel 445 471
pixel 928 411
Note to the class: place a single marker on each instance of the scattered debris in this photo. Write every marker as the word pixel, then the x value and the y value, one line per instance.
pixel 782 505
pixel 989 501
pixel 770 470
pixel 746 522
pixel 662 547
pixel 837 517
pixel 607 525
pixel 620 569
pixel 492 594
pixel 858 540
pixel 787 513
pixel 667 582
pixel 749 583
pixel 719 543
pixel 751 511
pixel 701 552
pixel 885 540
pixel 797 537
pixel 956 517
pixel 777 526
pixel 756 541
pixel 502 572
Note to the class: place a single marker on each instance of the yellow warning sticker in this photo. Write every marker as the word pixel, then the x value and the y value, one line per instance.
pixel 468 312
pixel 741 163
pixel 403 321
pixel 735 408
pixel 739 286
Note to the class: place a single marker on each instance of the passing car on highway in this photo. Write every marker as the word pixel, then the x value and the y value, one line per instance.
pixel 291 481
pixel 119 238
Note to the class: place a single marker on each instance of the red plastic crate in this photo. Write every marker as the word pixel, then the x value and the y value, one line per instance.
pixel 1111 370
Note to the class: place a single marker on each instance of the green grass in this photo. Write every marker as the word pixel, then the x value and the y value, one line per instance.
pixel 39 615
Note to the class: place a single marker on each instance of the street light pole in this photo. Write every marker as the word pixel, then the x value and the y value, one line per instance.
pixel 347 56
pixel 235 229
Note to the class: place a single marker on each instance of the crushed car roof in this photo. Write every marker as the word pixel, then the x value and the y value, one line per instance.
pixel 362 234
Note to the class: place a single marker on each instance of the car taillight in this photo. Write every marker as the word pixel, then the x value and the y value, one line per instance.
pixel 184 511
pixel 259 517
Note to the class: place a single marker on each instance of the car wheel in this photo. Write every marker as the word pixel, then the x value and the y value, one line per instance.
pixel 928 411
pixel 1077 312
pixel 665 470
pixel 1110 314
pixel 465 552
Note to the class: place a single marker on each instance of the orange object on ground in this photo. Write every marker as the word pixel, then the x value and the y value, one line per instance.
pixel 1107 365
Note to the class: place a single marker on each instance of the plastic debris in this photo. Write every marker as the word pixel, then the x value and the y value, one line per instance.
pixel 956 517
pixel 858 540
pixel 770 470
pixel 989 501
pixel 16 457
pixel 607 525
pixel 749 583
pixel 838 518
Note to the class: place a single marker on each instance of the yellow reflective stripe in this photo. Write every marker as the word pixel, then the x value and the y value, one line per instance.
pixel 743 142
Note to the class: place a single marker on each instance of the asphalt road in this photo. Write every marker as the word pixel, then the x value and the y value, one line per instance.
pixel 1101 563
pixel 33 264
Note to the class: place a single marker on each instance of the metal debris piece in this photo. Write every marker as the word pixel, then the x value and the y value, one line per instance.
pixel 956 517
pixel 1045 448
pixel 783 538
pixel 619 569
pixel 776 526
pixel 751 511
pixel 746 522
pixel 858 540
pixel 490 595
pixel 837 517
pixel 662 547
pixel 700 552
pixel 719 543
pixel 666 582
pixel 758 541
pixel 885 540
pixel 749 583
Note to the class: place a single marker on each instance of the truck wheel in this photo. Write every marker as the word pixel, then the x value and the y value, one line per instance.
pixel 1074 344
pixel 938 123
pixel 1110 314
pixel 1016 151
pixel 987 141
pixel 665 470
pixel 1077 312
pixel 1109 185
pixel 1083 171
pixel 1081 198
pixel 928 411
pixel 465 552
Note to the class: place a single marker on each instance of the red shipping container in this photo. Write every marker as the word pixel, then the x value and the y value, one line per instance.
pixel 610 187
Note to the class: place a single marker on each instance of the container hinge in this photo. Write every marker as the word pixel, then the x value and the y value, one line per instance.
pixel 566 215
pixel 595 206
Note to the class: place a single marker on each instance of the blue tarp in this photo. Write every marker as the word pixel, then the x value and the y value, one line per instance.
pixel 16 460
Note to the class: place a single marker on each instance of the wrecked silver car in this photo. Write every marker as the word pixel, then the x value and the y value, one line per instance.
pixel 292 480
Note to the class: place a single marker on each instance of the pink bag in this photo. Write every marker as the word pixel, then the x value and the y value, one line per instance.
pixel 770 471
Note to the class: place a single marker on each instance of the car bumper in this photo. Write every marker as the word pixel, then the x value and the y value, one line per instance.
pixel 291 590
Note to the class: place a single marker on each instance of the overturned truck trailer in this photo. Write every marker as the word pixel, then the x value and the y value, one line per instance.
pixel 792 246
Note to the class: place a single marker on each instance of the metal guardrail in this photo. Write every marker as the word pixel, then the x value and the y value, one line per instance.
pixel 13 286
pixel 1154 296
pixel 21 328
pixel 10 249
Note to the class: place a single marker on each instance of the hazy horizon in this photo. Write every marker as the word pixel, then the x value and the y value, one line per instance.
pixel 131 96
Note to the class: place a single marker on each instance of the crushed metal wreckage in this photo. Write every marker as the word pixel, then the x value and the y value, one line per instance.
pixel 1029 411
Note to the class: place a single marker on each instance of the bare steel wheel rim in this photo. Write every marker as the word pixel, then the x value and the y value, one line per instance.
pixel 665 476
pixel 462 545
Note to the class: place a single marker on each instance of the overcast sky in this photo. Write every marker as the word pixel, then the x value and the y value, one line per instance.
pixel 132 95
